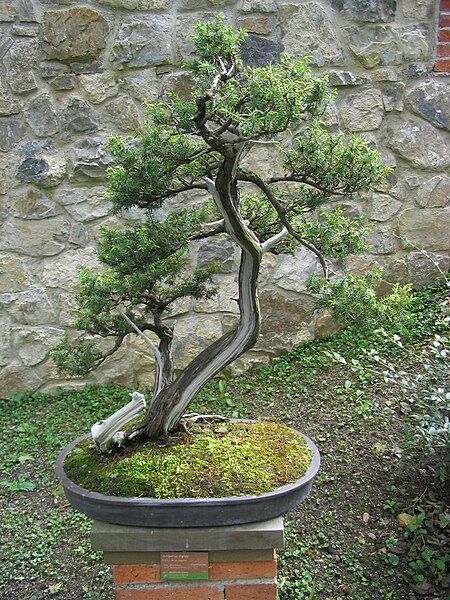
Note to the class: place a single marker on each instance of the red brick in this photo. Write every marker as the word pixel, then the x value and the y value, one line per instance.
pixel 243 570
pixel 443 49
pixel 179 593
pixel 444 35
pixel 254 591
pixel 445 5
pixel 442 66
pixel 126 574
pixel 444 20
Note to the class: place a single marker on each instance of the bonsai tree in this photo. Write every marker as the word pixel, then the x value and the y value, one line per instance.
pixel 201 143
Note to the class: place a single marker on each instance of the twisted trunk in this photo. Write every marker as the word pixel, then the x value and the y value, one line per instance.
pixel 171 402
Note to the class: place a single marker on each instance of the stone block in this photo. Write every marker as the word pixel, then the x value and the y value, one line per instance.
pixel 420 144
pixel 78 118
pixel 363 111
pixel 19 61
pixel 309 30
pixel 434 192
pixel 76 34
pixel 429 99
pixel 98 87
pixel 41 116
pixel 142 42
pixel 372 11
pixel 428 228
pixel 11 132
pixel 251 536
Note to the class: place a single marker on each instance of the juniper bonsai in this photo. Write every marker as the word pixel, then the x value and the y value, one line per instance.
pixel 203 143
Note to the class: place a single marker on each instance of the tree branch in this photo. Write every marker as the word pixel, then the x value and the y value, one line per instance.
pixel 281 212
pixel 268 244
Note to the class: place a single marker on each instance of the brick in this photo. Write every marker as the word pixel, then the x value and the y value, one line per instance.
pixel 129 574
pixel 243 570
pixel 443 49
pixel 255 591
pixel 444 20
pixel 444 35
pixel 179 593
pixel 442 66
pixel 445 5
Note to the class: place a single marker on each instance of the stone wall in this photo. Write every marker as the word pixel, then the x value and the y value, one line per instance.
pixel 72 73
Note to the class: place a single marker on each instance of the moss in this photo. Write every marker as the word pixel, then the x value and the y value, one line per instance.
pixel 213 460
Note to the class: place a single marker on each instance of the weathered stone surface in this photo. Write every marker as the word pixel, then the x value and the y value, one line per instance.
pixel 203 4
pixel 5 345
pixel 27 11
pixel 33 344
pixel 308 30
pixel 137 4
pixel 7 11
pixel 420 144
pixel 24 30
pixel 386 74
pixel 221 251
pixel 8 106
pixel 426 268
pixel 122 112
pixel 15 276
pixel 83 204
pixel 382 207
pixel 292 272
pixel 428 228
pixel 434 192
pixel 20 60
pixel 276 310
pixel 76 34
pixel 381 240
pixel 380 45
pixel 41 116
pixel 97 87
pixel 78 235
pixel 141 85
pixel 61 271
pixel 430 99
pixel 325 326
pixel 261 25
pixel 259 52
pixel 261 6
pixel 6 169
pixel 419 9
pixel 32 307
pixel 142 42
pixel 367 10
pixel 344 78
pixel 88 160
pixel 65 81
pixel 43 164
pixel 11 132
pixel 30 238
pixel 78 118
pixel 52 69
pixel 32 204
pixel 363 111
pixel 393 96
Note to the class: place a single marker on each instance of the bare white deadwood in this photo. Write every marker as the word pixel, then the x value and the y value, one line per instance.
pixel 106 432
pixel 157 354
pixel 268 244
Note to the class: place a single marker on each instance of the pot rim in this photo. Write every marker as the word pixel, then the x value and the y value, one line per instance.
pixel 124 501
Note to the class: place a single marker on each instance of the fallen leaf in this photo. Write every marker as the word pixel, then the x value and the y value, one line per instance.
pixel 404 519
pixel 366 517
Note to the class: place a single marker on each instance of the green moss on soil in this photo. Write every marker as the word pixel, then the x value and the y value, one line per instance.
pixel 213 460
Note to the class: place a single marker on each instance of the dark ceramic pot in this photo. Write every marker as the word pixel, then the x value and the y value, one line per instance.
pixel 186 512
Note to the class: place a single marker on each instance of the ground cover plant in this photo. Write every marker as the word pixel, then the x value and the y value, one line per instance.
pixel 205 143
pixel 344 542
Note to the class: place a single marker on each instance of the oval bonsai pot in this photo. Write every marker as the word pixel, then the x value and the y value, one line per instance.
pixel 187 512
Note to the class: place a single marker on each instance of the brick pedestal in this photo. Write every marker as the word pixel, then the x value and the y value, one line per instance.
pixel 240 563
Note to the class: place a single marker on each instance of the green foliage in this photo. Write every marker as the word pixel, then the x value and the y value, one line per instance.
pixel 228 459
pixel 214 41
pixel 333 234
pixel 335 162
pixel 76 358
